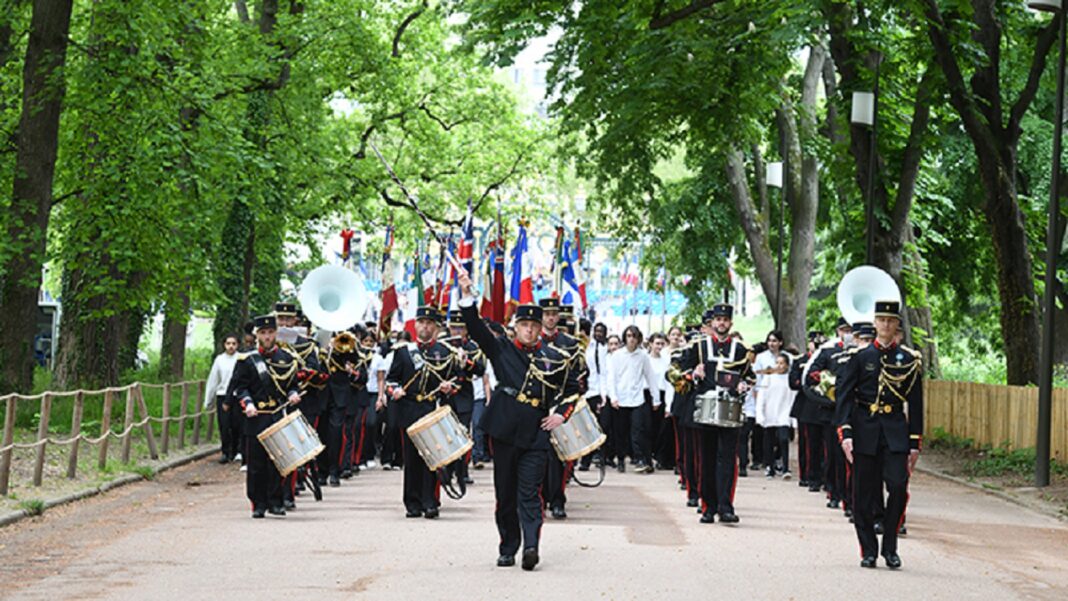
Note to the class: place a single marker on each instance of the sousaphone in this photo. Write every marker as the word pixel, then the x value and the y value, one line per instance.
pixel 333 298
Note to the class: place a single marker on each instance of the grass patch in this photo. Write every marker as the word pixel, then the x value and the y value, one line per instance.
pixel 32 506
pixel 940 439
pixel 145 471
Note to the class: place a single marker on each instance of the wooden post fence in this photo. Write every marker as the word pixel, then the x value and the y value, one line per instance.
pixel 75 431
pixel 150 438
pixel 105 427
pixel 166 417
pixel 127 421
pixel 9 437
pixel 42 438
pixel 183 412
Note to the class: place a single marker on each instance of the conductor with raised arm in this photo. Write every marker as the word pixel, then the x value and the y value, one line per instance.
pixel 536 393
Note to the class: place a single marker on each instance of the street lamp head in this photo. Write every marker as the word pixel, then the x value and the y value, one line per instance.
pixel 863 108
pixel 773 177
pixel 1046 5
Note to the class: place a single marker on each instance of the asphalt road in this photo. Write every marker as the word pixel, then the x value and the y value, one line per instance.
pixel 188 535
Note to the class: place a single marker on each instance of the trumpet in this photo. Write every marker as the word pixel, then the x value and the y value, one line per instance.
pixel 344 342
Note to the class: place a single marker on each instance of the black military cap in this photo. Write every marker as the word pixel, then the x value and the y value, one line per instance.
pixel 842 323
pixel 549 303
pixel 265 322
pixel 528 313
pixel 719 310
pixel 864 330
pixel 814 335
pixel 567 309
pixel 887 308
pixel 430 313
pixel 285 309
pixel 456 319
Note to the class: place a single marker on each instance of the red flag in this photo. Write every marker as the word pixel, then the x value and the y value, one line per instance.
pixel 389 288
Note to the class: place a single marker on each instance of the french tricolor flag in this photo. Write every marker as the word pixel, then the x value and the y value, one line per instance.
pixel 522 288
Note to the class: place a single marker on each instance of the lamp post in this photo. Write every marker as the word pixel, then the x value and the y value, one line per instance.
pixel 773 178
pixel 1045 373
pixel 865 106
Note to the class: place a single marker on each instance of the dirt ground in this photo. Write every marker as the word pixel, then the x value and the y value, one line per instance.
pixel 188 535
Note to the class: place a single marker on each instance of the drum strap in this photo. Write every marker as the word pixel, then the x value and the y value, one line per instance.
pixel 446 484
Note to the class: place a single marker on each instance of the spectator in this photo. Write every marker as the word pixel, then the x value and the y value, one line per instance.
pixel 662 430
pixel 597 392
pixel 631 378
pixel 773 413
pixel 218 384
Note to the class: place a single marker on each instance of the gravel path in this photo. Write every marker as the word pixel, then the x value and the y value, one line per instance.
pixel 188 535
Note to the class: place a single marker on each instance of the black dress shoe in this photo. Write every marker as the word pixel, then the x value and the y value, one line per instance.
pixel 902 531
pixel 848 513
pixel 708 517
pixel 802 483
pixel 832 504
pixel 878 528
pixel 506 561
pixel 431 514
pixel 743 473
pixel 468 480
pixel 814 487
pixel 868 561
pixel 323 479
pixel 346 474
pixel 259 512
pixel 288 504
pixel 276 510
pixel 224 459
pixel 334 481
pixel 622 467
pixel 691 502
pixel 559 513
pixel 413 513
pixel 728 518
pixel 530 558
pixel 892 561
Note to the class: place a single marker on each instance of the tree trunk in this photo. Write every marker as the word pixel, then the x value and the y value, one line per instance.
pixel 172 349
pixel 31 199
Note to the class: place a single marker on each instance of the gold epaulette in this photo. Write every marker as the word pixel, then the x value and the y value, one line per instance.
pixel 242 356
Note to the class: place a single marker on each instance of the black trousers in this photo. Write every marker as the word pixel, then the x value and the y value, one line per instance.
pixel 871 473
pixel 335 441
pixel 834 472
pixel 350 437
pixel 777 437
pixel 517 476
pixel 557 473
pixel 631 428
pixel 811 452
pixel 752 444
pixel 230 428
pixel 691 461
pixel 263 483
pixel 420 484
pixel 391 438
pixel 663 436
pixel 459 467
pixel 718 468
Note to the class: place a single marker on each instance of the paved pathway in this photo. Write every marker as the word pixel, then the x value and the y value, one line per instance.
pixel 188 535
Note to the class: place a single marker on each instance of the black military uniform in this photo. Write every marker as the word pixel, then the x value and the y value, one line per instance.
pixel 473 365
pixel 265 378
pixel 557 472
pixel 810 447
pixel 313 376
pixel 687 432
pixel 532 382
pixel 420 369
pixel 717 469
pixel 347 365
pixel 831 359
pixel 880 408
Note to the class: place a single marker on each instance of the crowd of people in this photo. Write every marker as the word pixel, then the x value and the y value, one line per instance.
pixel 360 392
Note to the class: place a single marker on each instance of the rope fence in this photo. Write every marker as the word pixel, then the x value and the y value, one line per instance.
pixel 136 415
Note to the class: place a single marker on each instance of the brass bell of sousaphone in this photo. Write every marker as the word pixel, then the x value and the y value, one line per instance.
pixel 333 298
pixel 860 288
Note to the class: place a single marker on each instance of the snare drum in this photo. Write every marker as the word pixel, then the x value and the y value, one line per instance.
pixel 440 438
pixel 579 435
pixel 291 442
pixel 717 408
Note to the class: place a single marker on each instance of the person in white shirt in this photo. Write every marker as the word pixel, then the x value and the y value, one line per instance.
pixel 597 393
pixel 663 432
pixel 774 401
pixel 215 392
pixel 630 380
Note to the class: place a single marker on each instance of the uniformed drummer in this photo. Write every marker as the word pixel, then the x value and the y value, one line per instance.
pixel 264 380
pixel 423 374
pixel 713 361
pixel 554 332
pixel 535 394
pixel 880 424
